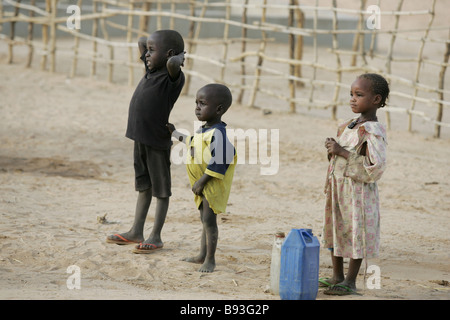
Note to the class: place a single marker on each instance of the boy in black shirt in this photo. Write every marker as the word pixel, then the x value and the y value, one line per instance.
pixel 150 107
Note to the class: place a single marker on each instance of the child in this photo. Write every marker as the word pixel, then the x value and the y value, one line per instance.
pixel 150 106
pixel 211 160
pixel 357 161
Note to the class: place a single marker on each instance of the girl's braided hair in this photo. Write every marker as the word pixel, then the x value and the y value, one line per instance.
pixel 379 86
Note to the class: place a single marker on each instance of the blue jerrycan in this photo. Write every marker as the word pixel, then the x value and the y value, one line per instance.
pixel 299 269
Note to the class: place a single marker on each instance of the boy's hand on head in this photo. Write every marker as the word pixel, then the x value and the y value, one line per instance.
pixel 181 54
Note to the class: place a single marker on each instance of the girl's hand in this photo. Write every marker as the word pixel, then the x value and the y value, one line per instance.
pixel 334 148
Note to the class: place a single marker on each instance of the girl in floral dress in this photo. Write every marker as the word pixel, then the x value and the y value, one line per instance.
pixel 357 161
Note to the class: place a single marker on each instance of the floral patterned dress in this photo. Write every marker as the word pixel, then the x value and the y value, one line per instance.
pixel 352 217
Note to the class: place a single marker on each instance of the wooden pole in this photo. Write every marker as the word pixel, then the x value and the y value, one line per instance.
pixel 190 62
pixel 30 37
pixel 311 92
pixel 262 48
pixel 53 35
pixel 94 43
pixel 225 42
pixel 338 62
pixel 130 50
pixel 291 56
pixel 357 39
pixel 389 55
pixel 12 34
pixel 110 47
pixel 299 43
pixel 243 49
pixel 76 46
pixel 419 65
pixel 437 128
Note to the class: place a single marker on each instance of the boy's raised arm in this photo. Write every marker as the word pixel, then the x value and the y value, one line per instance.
pixel 174 64
pixel 142 44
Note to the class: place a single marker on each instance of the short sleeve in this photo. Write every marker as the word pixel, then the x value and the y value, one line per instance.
pixel 222 154
pixel 368 168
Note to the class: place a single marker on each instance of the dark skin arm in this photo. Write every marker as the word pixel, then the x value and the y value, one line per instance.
pixel 176 134
pixel 174 63
pixel 198 186
pixel 142 44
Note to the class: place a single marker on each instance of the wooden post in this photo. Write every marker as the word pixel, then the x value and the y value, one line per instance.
pixel 193 46
pixel 12 34
pixel 437 128
pixel 419 65
pixel 338 62
pixel 389 56
pixel 243 49
pixel 30 37
pixel 292 57
pixel 110 47
pixel 76 46
pixel 225 39
pixel 130 50
pixel 262 48
pixel 94 42
pixel 299 43
pixel 45 38
pixel 53 35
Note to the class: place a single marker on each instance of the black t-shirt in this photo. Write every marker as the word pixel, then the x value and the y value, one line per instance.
pixel 150 108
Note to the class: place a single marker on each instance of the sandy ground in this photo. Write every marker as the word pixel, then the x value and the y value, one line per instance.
pixel 64 162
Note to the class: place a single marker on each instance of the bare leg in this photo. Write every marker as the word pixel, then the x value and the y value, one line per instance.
pixel 352 273
pixel 136 233
pixel 209 239
pixel 200 258
pixel 338 269
pixel 162 206
pixel 347 285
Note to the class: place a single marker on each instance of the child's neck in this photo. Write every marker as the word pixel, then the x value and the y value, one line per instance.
pixel 369 116
pixel 209 124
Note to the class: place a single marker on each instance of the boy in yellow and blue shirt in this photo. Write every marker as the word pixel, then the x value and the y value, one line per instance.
pixel 211 161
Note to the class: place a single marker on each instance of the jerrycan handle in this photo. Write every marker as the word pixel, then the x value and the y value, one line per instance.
pixel 307 235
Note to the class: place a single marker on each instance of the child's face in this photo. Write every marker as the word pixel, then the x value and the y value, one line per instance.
pixel 156 56
pixel 362 98
pixel 207 109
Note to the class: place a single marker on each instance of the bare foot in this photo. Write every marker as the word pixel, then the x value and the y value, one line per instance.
pixel 207 266
pixel 196 259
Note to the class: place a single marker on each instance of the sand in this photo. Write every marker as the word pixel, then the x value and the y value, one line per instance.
pixel 65 163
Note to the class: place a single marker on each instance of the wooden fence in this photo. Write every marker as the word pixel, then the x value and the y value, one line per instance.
pixel 259 48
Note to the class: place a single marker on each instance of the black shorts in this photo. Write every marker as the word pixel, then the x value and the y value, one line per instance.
pixel 152 170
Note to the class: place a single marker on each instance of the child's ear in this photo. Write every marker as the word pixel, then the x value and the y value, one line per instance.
pixel 377 99
pixel 170 53
pixel 220 108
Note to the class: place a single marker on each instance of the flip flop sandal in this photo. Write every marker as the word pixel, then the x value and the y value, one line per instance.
pixel 146 248
pixel 120 240
pixel 340 290
pixel 323 283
